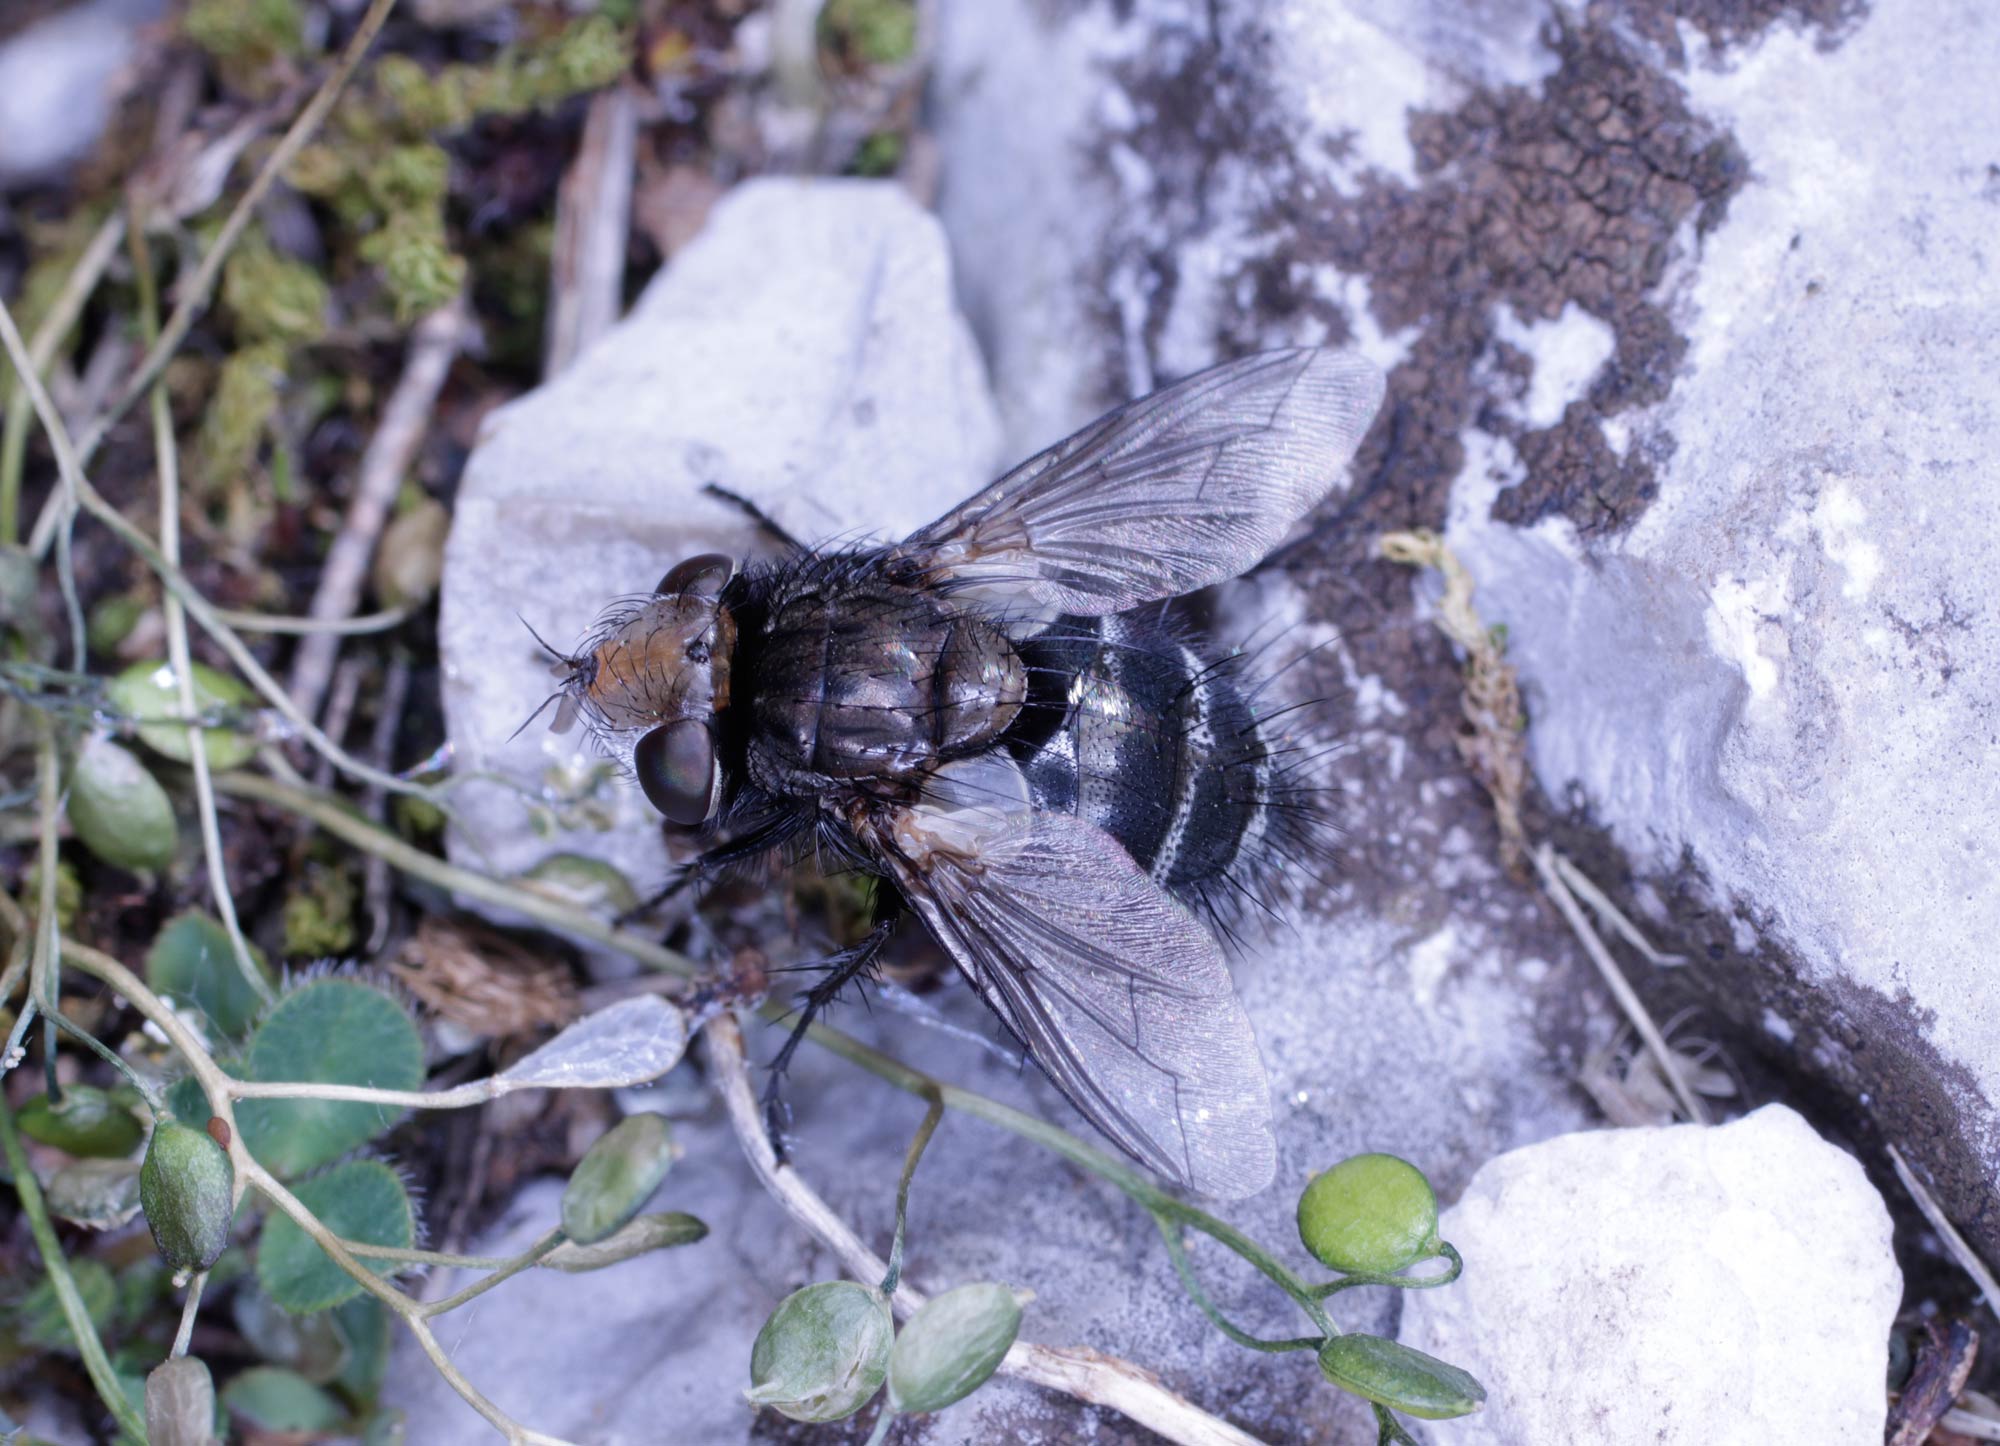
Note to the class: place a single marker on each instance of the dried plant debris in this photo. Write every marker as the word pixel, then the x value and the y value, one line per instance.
pixel 483 981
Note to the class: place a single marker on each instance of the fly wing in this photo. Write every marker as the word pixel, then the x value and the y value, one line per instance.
pixel 1121 997
pixel 1186 487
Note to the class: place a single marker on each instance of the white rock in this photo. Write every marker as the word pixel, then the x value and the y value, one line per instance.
pixel 804 351
pixel 59 79
pixel 1668 1287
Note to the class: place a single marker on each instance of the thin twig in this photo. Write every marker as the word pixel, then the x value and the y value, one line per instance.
pixel 166 458
pixel 1961 1251
pixel 593 222
pixel 347 627
pixel 196 290
pixel 1545 857
pixel 434 344
pixel 1613 916
pixel 1086 1374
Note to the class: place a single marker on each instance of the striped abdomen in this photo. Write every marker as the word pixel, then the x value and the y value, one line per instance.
pixel 1134 731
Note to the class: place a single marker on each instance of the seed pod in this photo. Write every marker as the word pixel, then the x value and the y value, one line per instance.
pixel 1402 1379
pixel 184 1188
pixel 150 690
pixel 952 1345
pixel 823 1353
pixel 180 1403
pixel 86 1122
pixel 616 1177
pixel 1370 1215
pixel 119 809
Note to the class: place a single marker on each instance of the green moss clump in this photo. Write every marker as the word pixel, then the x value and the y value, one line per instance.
pixel 246 398
pixel 319 919
pixel 247 35
pixel 417 262
pixel 404 178
pixel 871 32
pixel 272 298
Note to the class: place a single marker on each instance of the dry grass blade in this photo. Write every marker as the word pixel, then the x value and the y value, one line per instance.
pixel 1967 1258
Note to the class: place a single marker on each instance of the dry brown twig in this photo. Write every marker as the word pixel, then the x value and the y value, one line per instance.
pixel 434 344
pixel 593 221
pixel 1077 1371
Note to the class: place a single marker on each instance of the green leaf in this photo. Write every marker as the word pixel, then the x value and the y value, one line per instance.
pixel 273 1399
pixel 309 1344
pixel 86 1123
pixel 193 964
pixel 362 1200
pixel 39 1319
pixel 150 690
pixel 952 1346
pixel 364 1324
pixel 327 1031
pixel 1402 1379
pixel 119 810
pixel 616 1177
pixel 1369 1215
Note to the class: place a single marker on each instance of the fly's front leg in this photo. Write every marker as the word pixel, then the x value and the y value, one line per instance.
pixel 839 971
pixel 765 522
pixel 760 839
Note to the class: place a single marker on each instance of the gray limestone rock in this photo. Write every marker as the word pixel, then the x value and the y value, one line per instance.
pixel 1674 1286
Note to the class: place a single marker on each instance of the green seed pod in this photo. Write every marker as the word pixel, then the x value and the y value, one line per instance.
pixel 585 882
pixel 151 690
pixel 119 809
pixel 180 1404
pixel 410 559
pixel 662 1231
pixel 952 1345
pixel 1404 1380
pixel 824 1352
pixel 87 1123
pixel 184 1188
pixel 1369 1215
pixel 616 1176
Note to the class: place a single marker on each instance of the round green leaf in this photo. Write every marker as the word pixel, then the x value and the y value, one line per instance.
pixel 362 1200
pixel 1371 1215
pixel 118 808
pixel 184 1187
pixel 1402 1379
pixel 180 1404
pixel 193 963
pixel 151 690
pixel 616 1177
pixel 273 1399
pixel 85 1122
pixel 952 1345
pixel 327 1031
pixel 823 1353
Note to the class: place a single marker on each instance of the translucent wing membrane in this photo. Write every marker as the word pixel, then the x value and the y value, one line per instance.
pixel 1186 487
pixel 1117 992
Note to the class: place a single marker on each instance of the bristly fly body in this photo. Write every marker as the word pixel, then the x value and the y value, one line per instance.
pixel 994 716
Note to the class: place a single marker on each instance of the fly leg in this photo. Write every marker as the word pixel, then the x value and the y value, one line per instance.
pixel 839 971
pixel 765 522
pixel 759 839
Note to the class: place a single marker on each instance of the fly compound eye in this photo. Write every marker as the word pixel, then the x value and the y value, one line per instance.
pixel 676 767
pixel 703 576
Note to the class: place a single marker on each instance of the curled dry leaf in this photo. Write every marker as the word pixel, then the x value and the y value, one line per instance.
pixel 483 981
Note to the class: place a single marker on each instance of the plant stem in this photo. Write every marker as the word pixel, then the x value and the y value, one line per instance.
pixel 154 1104
pixel 189 1308
pixel 1401 1282
pixel 272 623
pixel 933 1114
pixel 177 583
pixel 167 460
pixel 444 1259
pixel 95 1361
pixel 529 1257
pixel 337 818
pixel 1184 1268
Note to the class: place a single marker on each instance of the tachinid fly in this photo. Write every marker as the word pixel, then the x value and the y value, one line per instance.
pixel 993 716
